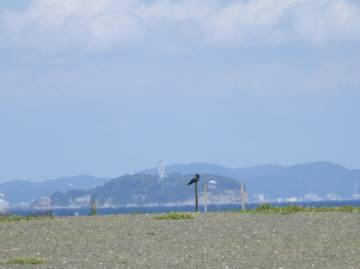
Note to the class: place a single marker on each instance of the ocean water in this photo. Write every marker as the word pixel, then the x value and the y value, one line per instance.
pixel 164 209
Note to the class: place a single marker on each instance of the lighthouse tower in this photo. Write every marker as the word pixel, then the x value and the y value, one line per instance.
pixel 161 170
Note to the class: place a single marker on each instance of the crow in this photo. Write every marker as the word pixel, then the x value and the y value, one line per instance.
pixel 196 178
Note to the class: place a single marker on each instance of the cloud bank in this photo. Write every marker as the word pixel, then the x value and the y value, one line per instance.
pixel 106 24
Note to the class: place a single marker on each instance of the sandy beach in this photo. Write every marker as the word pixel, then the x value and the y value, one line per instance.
pixel 215 240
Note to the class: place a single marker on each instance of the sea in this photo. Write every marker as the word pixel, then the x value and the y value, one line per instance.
pixel 62 212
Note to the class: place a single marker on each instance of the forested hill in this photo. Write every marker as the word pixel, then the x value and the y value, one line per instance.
pixel 145 189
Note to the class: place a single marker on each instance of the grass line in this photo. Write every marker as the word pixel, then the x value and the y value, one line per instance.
pixel 15 218
pixel 175 216
pixel 291 209
pixel 24 261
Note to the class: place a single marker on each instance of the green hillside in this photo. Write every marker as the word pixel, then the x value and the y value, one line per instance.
pixel 145 189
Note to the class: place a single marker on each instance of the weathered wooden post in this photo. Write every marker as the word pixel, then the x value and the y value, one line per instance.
pixel 93 207
pixel 196 198
pixel 243 196
pixel 195 180
pixel 205 198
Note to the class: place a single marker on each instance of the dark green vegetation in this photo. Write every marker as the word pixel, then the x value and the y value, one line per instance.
pixel 290 209
pixel 175 216
pixel 15 218
pixel 24 261
pixel 143 189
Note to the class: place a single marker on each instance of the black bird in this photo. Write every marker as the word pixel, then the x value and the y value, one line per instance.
pixel 196 178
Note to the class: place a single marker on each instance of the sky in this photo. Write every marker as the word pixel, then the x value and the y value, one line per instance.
pixel 107 87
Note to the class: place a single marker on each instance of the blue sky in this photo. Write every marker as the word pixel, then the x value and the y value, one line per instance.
pixel 107 87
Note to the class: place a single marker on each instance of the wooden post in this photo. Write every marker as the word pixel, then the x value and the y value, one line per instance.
pixel 195 180
pixel 243 196
pixel 205 198
pixel 196 198
pixel 92 207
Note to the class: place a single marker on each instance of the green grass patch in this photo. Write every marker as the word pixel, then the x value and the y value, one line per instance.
pixel 291 209
pixel 25 261
pixel 16 218
pixel 175 216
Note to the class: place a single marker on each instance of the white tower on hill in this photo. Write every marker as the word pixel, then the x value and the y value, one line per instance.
pixel 161 169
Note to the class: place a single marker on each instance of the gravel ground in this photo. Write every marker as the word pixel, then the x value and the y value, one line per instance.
pixel 215 240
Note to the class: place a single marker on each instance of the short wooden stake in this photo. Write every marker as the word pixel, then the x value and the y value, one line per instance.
pixel 196 198
pixel 205 198
pixel 243 196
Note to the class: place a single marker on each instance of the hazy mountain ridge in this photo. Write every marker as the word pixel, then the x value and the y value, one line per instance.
pixel 304 182
pixel 21 191
pixel 310 181
pixel 267 183
pixel 212 169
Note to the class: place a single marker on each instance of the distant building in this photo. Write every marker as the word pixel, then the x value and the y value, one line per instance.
pixel 43 206
pixel 4 205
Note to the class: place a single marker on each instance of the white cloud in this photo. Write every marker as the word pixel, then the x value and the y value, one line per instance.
pixel 103 24
pixel 242 22
pixel 85 24
pixel 327 20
